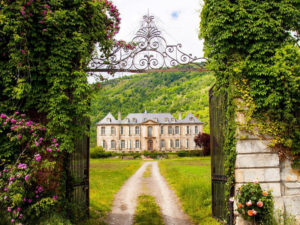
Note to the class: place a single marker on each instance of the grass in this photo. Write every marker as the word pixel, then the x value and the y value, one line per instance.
pixel 106 178
pixel 147 211
pixel 147 173
pixel 191 180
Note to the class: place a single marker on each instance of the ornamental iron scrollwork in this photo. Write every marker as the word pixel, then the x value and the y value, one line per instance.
pixel 150 53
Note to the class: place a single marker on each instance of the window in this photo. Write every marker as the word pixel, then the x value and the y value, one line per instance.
pixel 122 130
pixel 108 120
pixel 112 130
pixel 149 131
pixel 171 144
pixel 137 144
pixel 137 130
pixel 102 130
pixel 161 130
pixel 188 129
pixel 187 143
pixel 177 143
pixel 122 144
pixel 129 129
pixel 162 143
pixel 129 144
pixel 166 120
pixel 134 120
pixel 113 144
pixel 169 130
pixel 196 130
pixel 104 144
pixel 177 130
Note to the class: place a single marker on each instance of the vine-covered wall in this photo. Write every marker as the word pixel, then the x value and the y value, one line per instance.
pixel 253 49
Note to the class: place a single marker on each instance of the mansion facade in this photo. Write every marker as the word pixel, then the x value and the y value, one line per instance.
pixel 148 132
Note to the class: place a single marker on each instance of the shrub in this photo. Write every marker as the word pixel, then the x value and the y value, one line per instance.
pixel 31 166
pixel 99 152
pixel 254 204
pixel 190 153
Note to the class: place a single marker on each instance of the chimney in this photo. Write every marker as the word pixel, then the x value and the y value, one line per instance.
pixel 179 116
pixel 119 116
pixel 197 116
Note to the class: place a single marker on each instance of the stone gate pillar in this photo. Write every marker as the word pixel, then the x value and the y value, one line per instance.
pixel 257 161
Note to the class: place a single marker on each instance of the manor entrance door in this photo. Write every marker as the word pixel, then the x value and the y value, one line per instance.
pixel 150 145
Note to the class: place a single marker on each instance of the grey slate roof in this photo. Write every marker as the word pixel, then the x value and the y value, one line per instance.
pixel 136 118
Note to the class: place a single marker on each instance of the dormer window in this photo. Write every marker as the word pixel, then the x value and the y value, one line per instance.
pixel 191 119
pixel 172 119
pixel 166 120
pixel 127 120
pixel 134 120
pixel 108 120
pixel 156 119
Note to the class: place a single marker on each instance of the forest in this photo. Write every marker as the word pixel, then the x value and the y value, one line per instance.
pixel 172 92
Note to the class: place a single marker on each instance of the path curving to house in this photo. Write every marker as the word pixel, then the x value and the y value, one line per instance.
pixel 125 201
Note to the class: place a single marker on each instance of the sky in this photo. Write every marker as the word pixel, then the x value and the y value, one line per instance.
pixel 178 21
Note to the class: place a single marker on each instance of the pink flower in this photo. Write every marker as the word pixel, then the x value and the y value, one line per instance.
pixel 57 149
pixel 22 166
pixel 26 178
pixel 48 149
pixel 12 220
pixel 20 216
pixel 45 12
pixel 54 140
pixel 22 115
pixel 55 197
pixel 36 143
pixel 19 137
pixel 23 51
pixel 38 157
pixel 18 209
pixel 260 204
pixel 5 189
pixel 13 121
pixel 255 181
pixel 3 116
pixel 9 209
pixel 47 6
pixel 29 201
pixel 249 203
pixel 44 30
pixel 254 212
pixel 33 135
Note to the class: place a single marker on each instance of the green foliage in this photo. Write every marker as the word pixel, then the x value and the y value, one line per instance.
pixel 192 153
pixel 147 211
pixel 154 92
pixel 45 47
pixel 247 40
pixel 254 204
pixel 53 219
pixel 252 48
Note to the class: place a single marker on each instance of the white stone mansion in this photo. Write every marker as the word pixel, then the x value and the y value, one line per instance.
pixel 148 132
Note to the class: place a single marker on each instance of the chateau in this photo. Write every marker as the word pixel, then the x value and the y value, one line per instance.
pixel 148 132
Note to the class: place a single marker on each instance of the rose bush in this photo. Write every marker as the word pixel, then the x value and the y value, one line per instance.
pixel 30 170
pixel 255 204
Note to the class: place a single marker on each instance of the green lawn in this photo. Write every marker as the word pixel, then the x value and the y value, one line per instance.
pixel 191 180
pixel 106 178
pixel 147 211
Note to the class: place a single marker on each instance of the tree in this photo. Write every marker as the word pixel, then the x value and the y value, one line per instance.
pixel 203 140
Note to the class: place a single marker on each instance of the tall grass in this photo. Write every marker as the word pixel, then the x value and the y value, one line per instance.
pixel 191 180
pixel 106 178
pixel 147 211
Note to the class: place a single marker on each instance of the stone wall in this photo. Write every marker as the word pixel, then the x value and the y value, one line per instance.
pixel 256 161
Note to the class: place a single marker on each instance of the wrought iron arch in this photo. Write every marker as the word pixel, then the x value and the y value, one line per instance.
pixel 151 54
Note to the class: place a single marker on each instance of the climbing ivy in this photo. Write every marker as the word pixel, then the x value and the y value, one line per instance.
pixel 253 49
pixel 45 47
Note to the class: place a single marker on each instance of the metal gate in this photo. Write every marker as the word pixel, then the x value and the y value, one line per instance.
pixel 78 180
pixel 218 179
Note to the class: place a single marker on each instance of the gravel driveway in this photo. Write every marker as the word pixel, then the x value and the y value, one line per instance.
pixel 126 199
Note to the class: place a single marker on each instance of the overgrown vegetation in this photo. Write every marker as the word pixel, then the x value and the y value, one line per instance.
pixel 253 50
pixel 154 92
pixel 147 211
pixel 191 180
